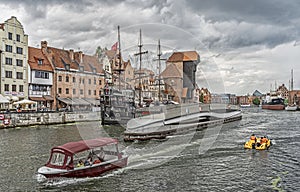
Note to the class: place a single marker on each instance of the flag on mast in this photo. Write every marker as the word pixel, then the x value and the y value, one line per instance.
pixel 114 47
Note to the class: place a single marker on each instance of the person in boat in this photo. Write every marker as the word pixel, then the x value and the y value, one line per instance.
pixel 80 163
pixel 260 142
pixel 88 161
pixel 264 140
pixel 253 138
pixel 97 161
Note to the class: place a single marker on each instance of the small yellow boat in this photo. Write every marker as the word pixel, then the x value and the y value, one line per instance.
pixel 264 145
pixel 252 144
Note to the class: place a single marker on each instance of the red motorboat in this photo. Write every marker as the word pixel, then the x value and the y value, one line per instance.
pixel 86 158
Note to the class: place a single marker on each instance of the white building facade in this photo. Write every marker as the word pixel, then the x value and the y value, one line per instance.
pixel 13 62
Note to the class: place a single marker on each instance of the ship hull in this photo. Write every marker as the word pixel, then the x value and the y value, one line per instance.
pixel 273 107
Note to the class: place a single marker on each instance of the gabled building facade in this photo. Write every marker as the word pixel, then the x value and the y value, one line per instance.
pixel 14 56
pixel 40 79
pixel 283 92
pixel 173 81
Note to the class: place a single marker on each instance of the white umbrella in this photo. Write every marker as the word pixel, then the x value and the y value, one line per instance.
pixel 3 99
pixel 24 101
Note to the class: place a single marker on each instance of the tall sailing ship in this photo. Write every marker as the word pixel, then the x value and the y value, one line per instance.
pixel 292 98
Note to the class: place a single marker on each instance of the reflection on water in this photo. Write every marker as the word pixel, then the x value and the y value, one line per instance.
pixel 173 164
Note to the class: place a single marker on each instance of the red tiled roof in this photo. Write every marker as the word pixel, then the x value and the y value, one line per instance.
pixel 34 54
pixel 184 56
pixel 171 71
pixel 89 62
pixel 61 57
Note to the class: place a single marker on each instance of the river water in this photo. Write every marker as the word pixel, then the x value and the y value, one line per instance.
pixel 205 160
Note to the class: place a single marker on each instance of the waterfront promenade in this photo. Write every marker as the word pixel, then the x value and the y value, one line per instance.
pixel 21 119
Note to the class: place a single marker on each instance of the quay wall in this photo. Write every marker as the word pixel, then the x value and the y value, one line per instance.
pixel 33 118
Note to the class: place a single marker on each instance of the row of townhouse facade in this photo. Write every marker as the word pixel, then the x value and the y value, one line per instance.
pixel 54 78
pixel 57 78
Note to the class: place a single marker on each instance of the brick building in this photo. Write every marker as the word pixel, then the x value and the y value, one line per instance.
pixel 77 78
pixel 186 64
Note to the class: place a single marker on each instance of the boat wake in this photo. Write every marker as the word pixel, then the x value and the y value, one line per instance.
pixel 62 181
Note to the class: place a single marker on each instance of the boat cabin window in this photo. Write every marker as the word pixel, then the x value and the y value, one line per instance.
pixel 57 159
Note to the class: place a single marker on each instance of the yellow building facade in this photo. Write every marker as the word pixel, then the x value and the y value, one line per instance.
pixel 14 56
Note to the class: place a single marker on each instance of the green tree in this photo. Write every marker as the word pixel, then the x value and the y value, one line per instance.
pixel 201 99
pixel 256 101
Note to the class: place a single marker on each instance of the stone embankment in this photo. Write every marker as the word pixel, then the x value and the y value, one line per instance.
pixel 8 120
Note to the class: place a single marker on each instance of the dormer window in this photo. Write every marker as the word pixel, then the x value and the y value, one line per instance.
pixel 81 68
pixel 68 67
pixel 40 61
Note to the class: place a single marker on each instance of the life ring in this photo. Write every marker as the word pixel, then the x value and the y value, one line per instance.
pixel 118 115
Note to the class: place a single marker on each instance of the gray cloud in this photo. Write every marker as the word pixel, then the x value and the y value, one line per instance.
pixel 246 33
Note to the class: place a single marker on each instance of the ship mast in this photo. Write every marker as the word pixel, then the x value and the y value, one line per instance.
pixel 140 53
pixel 119 57
pixel 292 80
pixel 159 68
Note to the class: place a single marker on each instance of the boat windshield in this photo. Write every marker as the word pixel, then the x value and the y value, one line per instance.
pixel 57 159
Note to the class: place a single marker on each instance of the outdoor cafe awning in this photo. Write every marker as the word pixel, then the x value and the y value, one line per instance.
pixel 92 101
pixel 48 97
pixel 73 101
pixel 37 98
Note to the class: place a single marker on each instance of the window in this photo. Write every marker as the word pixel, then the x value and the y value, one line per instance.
pixel 8 61
pixel 74 79
pixel 100 82
pixel 59 90
pixel 19 75
pixel 8 48
pixel 67 78
pixel 6 87
pixel 40 61
pixel 90 92
pixel 18 37
pixel 95 81
pixel 57 159
pixel 68 67
pixel 74 91
pixel 81 68
pixel 8 74
pixel 95 92
pixel 13 88
pixel 82 81
pixel 19 50
pixel 90 81
pixel 19 62
pixel 60 78
pixel 21 88
pixel 41 74
pixel 39 88
pixel 67 90
pixel 9 35
pixel 81 91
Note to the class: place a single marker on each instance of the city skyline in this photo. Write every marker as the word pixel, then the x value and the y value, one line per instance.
pixel 243 46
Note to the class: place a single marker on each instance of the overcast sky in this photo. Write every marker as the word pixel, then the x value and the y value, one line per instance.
pixel 244 45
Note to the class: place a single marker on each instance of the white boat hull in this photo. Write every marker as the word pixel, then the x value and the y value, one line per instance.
pixel 291 108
